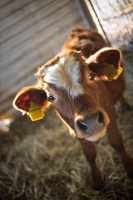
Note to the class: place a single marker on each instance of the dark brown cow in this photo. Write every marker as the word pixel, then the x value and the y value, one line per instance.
pixel 79 89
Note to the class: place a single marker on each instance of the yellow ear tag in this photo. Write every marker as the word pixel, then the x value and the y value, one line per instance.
pixel 119 71
pixel 111 72
pixel 35 113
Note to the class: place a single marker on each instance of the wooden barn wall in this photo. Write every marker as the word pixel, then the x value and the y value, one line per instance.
pixel 31 32
pixel 114 20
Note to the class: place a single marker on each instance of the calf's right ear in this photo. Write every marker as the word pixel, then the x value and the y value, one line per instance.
pixel 30 94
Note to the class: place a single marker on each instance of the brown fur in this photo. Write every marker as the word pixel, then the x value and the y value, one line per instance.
pixel 99 97
pixel 85 40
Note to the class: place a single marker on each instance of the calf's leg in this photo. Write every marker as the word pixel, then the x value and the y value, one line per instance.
pixel 90 154
pixel 116 142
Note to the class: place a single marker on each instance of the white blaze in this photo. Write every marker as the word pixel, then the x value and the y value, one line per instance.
pixel 65 74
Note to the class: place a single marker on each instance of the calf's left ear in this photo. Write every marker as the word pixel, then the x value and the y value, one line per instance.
pixel 30 94
pixel 106 63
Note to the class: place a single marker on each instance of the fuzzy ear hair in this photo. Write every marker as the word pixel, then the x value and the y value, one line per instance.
pixel 104 58
pixel 30 94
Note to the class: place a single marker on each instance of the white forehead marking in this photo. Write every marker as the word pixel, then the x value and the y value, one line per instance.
pixel 65 74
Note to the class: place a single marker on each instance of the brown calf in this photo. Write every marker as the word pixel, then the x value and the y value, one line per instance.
pixel 80 91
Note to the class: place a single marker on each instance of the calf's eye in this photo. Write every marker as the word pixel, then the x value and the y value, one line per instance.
pixel 91 76
pixel 51 98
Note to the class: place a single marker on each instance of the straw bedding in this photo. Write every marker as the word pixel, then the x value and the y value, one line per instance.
pixel 41 161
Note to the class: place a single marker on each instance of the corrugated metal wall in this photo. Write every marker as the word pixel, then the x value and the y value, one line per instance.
pixel 31 32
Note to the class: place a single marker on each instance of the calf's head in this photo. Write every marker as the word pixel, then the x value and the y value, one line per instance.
pixel 73 85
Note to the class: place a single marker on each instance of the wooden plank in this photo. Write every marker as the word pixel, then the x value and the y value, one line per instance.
pixel 29 32
pixel 4 3
pixel 12 7
pixel 30 11
pixel 51 27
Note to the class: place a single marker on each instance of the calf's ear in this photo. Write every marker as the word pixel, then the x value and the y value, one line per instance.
pixel 106 63
pixel 30 94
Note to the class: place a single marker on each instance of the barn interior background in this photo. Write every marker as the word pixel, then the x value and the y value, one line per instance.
pixel 33 164
pixel 33 31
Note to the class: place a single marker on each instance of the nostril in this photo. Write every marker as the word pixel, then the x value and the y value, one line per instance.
pixel 82 125
pixel 100 117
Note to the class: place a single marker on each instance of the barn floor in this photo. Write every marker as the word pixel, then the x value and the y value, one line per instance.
pixel 41 161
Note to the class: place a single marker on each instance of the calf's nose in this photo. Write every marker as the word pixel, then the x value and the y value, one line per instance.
pixel 90 124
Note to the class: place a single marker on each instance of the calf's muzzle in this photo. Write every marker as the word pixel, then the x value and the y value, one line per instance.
pixel 91 126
